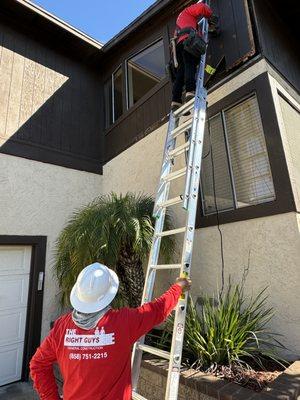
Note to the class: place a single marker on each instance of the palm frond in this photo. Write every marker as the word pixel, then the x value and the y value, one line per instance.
pixel 100 231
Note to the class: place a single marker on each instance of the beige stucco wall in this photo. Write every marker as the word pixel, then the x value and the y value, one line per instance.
pixel 269 245
pixel 37 199
pixel 271 248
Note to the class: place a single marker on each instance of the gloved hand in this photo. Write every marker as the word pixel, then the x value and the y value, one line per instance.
pixel 185 284
pixel 213 25
pixel 213 20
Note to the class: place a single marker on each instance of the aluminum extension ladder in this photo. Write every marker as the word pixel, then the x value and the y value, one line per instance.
pixel 189 199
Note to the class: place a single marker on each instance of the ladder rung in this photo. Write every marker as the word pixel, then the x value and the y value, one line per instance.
pixel 171 232
pixel 136 396
pixel 171 202
pixel 182 128
pixel 166 266
pixel 154 351
pixel 185 108
pixel 175 175
pixel 179 150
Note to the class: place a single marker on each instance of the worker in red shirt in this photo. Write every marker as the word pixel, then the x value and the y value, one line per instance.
pixel 92 345
pixel 185 71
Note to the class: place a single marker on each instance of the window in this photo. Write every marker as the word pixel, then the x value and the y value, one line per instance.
pixel 291 120
pixel 113 92
pixel 216 178
pixel 108 103
pixel 117 81
pixel 144 71
pixel 236 171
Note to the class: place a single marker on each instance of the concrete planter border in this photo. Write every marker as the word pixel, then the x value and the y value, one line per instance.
pixel 285 387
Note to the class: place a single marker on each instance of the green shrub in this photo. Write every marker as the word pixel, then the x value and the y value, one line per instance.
pixel 228 331
pixel 114 229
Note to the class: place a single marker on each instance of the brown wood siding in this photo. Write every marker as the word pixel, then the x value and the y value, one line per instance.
pixel 148 111
pixel 235 45
pixel 50 104
pixel 275 24
pixel 133 126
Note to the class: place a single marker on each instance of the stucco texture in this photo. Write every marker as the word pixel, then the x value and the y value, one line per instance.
pixel 37 199
pixel 269 246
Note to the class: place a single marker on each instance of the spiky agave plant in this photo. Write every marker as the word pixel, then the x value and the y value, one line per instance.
pixel 113 229
pixel 228 330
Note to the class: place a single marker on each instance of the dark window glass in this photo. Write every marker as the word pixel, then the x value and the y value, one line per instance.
pixel 108 103
pixel 144 71
pixel 118 93
pixel 113 92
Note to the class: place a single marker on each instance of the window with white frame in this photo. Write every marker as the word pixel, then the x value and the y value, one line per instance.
pixel 113 93
pixel 236 171
pixel 144 71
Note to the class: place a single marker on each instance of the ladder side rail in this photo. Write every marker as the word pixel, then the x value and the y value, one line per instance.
pixel 180 314
pixel 163 193
pixel 190 203
pixel 166 165
pixel 196 117
pixel 164 188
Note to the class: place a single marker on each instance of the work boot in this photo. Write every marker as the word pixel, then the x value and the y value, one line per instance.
pixel 175 105
pixel 188 96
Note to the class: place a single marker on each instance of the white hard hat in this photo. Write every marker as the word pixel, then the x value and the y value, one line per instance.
pixel 95 288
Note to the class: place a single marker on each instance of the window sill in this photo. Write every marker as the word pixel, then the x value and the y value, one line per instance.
pixel 242 214
pixel 132 109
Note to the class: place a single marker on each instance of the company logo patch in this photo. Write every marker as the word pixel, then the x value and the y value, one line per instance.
pixel 100 338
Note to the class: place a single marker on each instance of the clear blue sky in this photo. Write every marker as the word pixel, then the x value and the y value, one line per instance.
pixel 101 19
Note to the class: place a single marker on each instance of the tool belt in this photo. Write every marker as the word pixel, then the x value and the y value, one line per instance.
pixel 193 44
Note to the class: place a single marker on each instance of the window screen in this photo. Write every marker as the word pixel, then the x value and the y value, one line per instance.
pixel 236 171
pixel 216 180
pixel 248 153
pixel 144 71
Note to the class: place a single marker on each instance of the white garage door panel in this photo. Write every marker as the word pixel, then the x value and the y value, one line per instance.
pixel 14 283
pixel 15 260
pixel 14 323
pixel 11 369
pixel 13 291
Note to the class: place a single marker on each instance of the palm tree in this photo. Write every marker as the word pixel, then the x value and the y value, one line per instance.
pixel 114 230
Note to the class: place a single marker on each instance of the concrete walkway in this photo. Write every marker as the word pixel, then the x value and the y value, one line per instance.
pixel 18 391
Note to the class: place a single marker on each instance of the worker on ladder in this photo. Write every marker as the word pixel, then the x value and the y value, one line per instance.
pixel 187 48
pixel 92 345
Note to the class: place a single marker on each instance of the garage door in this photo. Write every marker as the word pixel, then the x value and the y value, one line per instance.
pixel 14 282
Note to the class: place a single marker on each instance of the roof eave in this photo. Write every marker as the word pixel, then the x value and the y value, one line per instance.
pixel 60 23
pixel 149 13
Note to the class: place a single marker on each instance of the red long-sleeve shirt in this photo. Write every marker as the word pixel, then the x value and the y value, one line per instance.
pixel 189 17
pixel 96 364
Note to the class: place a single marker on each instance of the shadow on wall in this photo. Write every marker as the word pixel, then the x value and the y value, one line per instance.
pixel 50 105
